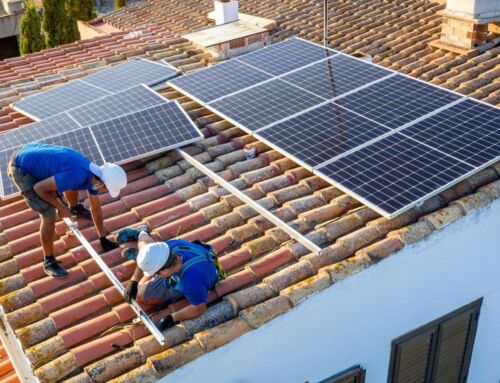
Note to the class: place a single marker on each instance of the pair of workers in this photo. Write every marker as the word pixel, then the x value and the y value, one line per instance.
pixel 166 272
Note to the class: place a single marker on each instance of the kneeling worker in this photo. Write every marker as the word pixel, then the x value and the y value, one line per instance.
pixel 173 270
pixel 42 171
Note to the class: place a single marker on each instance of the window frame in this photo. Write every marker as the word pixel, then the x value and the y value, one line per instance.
pixel 349 373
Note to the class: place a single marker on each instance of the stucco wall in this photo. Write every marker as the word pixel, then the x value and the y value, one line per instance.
pixel 354 321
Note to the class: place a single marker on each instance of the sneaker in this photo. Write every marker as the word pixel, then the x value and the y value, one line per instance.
pixel 130 253
pixel 81 211
pixel 131 234
pixel 52 268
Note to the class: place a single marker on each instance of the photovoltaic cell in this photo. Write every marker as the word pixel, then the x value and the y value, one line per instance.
pixel 335 76
pixel 285 56
pixel 38 130
pixel 264 104
pixel 394 173
pixel 322 134
pixel 127 101
pixel 60 99
pixel 469 131
pixel 130 73
pixel 220 80
pixel 8 186
pixel 158 128
pixel 397 100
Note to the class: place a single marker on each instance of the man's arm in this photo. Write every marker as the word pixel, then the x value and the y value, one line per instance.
pixel 46 190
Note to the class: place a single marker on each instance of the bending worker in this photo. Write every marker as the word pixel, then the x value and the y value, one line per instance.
pixel 42 171
pixel 171 270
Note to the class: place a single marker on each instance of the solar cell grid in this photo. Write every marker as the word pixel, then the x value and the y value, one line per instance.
pixel 60 99
pixel 469 131
pixel 285 56
pixel 397 100
pixel 336 76
pixel 158 128
pixel 127 101
pixel 264 104
pixel 322 134
pixel 220 80
pixel 394 173
pixel 7 186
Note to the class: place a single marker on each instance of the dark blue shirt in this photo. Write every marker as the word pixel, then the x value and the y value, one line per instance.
pixel 198 279
pixel 69 168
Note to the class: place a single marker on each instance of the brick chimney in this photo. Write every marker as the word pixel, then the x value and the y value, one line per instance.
pixel 466 23
pixel 226 11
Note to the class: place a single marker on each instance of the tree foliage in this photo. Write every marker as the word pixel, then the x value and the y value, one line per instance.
pixel 82 9
pixel 54 21
pixel 31 39
pixel 120 3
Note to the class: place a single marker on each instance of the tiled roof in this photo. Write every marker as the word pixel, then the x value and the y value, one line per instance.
pixel 7 372
pixel 77 329
pixel 395 33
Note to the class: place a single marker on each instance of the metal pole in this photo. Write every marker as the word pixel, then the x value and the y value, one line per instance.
pixel 242 196
pixel 325 23
pixel 140 313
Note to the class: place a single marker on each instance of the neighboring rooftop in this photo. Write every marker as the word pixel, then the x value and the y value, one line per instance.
pixel 78 329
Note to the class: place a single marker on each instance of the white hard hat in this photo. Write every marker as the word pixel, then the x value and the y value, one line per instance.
pixel 152 257
pixel 114 178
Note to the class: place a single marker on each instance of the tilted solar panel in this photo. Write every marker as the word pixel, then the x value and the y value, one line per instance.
pixel 7 186
pixel 60 99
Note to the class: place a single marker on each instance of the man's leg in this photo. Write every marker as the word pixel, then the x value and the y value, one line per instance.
pixel 158 292
pixel 47 236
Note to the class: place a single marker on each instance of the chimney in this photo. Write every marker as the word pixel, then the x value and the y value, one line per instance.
pixel 226 11
pixel 466 23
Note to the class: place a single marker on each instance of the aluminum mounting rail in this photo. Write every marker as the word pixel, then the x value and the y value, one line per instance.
pixel 106 270
pixel 253 204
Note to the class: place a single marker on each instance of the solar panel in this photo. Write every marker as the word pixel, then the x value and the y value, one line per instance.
pixel 397 100
pixel 57 100
pixel 321 134
pixel 285 56
pixel 336 76
pixel 265 104
pixel 38 130
pixel 469 131
pixel 220 80
pixel 129 73
pixel 393 174
pixel 127 101
pixel 159 128
pixel 8 186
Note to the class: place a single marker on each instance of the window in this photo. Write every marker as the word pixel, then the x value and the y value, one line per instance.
pixel 439 352
pixel 352 375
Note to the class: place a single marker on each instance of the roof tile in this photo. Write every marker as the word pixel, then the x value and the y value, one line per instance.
pixel 263 312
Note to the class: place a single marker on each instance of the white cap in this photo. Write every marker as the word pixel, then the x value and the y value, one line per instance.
pixel 152 257
pixel 114 178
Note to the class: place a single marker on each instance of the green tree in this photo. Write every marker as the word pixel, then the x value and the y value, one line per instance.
pixel 71 32
pixel 120 3
pixel 54 21
pixel 87 10
pixel 31 39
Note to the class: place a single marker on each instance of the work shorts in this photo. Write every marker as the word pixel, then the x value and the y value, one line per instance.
pixel 159 292
pixel 25 183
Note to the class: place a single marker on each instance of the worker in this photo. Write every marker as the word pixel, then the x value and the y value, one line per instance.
pixel 41 172
pixel 171 270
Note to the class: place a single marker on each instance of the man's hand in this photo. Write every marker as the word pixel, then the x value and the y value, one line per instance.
pixel 64 212
pixel 107 245
pixel 165 322
pixel 131 291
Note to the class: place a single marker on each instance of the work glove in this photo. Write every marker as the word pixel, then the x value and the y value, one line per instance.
pixel 165 322
pixel 107 245
pixel 131 291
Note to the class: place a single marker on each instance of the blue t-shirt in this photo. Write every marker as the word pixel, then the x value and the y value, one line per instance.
pixel 69 168
pixel 198 279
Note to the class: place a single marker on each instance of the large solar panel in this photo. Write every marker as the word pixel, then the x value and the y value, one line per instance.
pixel 395 173
pixel 57 100
pixel 38 130
pixel 265 104
pixel 220 80
pixel 336 76
pixel 7 186
pixel 127 101
pixel 286 56
pixel 397 100
pixel 129 73
pixel 469 131
pixel 322 134
pixel 152 130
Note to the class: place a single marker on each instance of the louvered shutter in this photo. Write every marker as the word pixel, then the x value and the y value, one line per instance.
pixel 412 358
pixel 353 376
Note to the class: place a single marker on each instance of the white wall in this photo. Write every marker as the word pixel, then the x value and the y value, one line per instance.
pixel 354 321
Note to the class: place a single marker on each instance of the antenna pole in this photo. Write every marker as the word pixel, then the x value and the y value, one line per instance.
pixel 325 23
